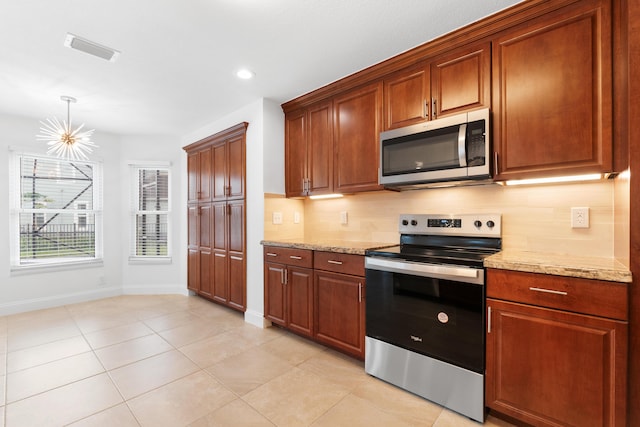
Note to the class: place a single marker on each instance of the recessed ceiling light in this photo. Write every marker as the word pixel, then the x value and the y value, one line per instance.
pixel 245 74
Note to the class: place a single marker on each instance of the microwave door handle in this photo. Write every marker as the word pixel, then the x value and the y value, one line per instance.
pixel 462 139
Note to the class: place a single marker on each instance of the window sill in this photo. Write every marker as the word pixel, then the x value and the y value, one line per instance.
pixel 51 267
pixel 156 260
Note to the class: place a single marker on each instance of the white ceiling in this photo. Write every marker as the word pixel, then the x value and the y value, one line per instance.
pixel 176 71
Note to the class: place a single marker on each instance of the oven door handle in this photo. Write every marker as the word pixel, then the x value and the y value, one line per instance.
pixel 421 269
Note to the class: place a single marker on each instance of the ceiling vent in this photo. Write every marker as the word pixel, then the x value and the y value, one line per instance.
pixel 92 48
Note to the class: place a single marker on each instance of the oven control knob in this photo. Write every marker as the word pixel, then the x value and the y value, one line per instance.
pixel 477 223
pixel 491 224
pixel 414 222
pixel 405 222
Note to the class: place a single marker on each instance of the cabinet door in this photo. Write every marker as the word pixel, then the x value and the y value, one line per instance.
pixel 220 291
pixel 357 123
pixel 299 283
pixel 407 98
pixel 193 269
pixel 548 367
pixel 220 174
pixel 552 94
pixel 461 80
pixel 295 155
pixel 236 254
pixel 193 178
pixel 320 149
pixel 274 293
pixel 235 167
pixel 205 261
pixel 204 175
pixel 339 311
pixel 193 249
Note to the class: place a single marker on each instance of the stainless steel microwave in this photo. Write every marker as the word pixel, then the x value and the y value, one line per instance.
pixel 453 150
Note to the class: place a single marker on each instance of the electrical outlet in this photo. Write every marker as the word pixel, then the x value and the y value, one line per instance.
pixel 296 217
pixel 344 217
pixel 579 217
pixel 276 218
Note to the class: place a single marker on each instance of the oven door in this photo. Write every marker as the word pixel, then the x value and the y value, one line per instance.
pixel 434 310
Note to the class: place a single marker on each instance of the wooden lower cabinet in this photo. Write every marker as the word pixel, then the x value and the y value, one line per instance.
pixel 288 289
pixel 339 311
pixel 551 367
pixel 317 294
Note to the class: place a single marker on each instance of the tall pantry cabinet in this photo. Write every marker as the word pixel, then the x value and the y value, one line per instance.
pixel 217 217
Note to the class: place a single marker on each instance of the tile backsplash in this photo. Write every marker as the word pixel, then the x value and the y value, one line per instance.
pixel 534 218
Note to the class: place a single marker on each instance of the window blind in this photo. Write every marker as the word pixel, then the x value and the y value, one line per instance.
pixel 58 212
pixel 150 212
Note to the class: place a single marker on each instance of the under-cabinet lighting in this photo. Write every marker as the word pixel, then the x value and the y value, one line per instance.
pixel 326 196
pixel 556 179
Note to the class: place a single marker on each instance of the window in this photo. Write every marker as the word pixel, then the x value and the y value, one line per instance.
pixel 56 211
pixel 150 213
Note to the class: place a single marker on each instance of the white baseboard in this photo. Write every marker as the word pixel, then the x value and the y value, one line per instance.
pixel 155 290
pixel 257 319
pixel 58 300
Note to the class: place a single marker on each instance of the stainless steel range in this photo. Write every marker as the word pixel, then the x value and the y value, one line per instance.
pixel 425 308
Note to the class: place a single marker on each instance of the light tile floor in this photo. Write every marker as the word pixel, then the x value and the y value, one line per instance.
pixel 183 361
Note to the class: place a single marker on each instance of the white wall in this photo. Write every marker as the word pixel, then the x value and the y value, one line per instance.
pixel 265 139
pixel 154 278
pixel 28 290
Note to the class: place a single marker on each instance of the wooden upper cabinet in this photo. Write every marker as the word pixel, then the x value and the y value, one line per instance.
pixel 461 80
pixel 448 84
pixel 228 169
pixel 407 97
pixel 199 175
pixel 236 167
pixel 320 149
pixel 295 153
pixel 552 86
pixel 357 125
pixel 309 151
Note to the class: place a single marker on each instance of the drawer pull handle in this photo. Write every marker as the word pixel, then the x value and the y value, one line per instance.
pixel 295 257
pixel 271 254
pixel 548 291
pixel 330 261
pixel 220 255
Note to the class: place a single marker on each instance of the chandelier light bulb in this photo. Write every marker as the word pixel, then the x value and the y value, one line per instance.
pixel 63 141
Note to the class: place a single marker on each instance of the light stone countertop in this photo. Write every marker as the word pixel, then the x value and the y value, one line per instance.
pixel 561 265
pixel 329 245
pixel 597 268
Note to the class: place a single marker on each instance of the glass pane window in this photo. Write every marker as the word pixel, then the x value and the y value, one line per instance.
pixel 58 213
pixel 151 212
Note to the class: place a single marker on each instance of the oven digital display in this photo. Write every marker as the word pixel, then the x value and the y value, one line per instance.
pixel 444 223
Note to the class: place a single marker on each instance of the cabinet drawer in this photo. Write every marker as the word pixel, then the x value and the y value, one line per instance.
pixel 594 297
pixel 289 256
pixel 339 263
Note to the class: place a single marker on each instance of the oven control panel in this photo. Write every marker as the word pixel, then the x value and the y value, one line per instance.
pixel 484 225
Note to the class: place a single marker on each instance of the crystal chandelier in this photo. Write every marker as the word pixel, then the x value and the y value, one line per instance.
pixel 62 140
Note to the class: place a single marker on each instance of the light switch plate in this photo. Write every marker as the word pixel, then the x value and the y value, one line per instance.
pixel 344 217
pixel 579 217
pixel 296 217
